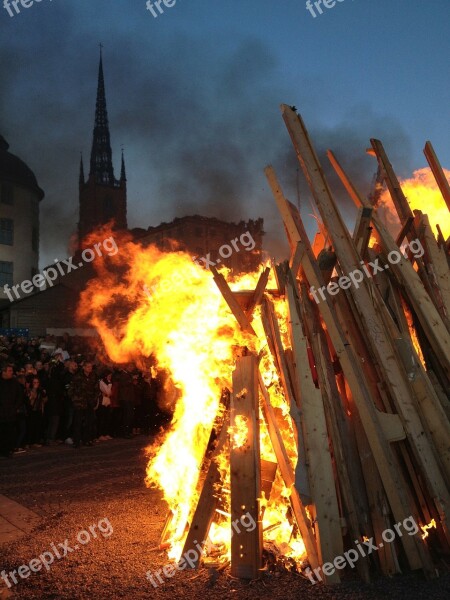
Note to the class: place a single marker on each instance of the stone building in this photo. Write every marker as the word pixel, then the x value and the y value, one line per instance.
pixel 19 220
pixel 235 245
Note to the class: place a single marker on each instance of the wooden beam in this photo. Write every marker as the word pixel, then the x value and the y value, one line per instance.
pixel 318 459
pixel 438 261
pixel 208 500
pixel 438 172
pixel 404 230
pixel 259 292
pixel 233 304
pixel 245 470
pixel 363 230
pixel 398 197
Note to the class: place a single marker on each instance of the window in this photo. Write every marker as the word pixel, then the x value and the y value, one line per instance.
pixel 6 273
pixel 35 239
pixel 7 232
pixel 7 193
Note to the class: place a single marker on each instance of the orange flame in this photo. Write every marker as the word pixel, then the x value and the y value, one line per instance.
pixel 145 303
pixel 422 193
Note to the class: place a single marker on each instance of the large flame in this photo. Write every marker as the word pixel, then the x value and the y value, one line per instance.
pixel 422 193
pixel 148 303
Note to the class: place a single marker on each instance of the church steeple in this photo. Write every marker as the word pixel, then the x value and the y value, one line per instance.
pixel 102 198
pixel 123 175
pixel 101 156
pixel 81 179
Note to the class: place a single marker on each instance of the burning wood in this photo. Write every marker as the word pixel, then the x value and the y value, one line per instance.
pixel 339 425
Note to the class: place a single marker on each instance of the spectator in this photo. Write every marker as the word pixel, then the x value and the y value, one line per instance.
pixel 71 367
pixel 104 410
pixel 36 403
pixel 55 392
pixel 138 401
pixel 149 404
pixel 116 409
pixel 83 390
pixel 11 401
pixel 22 414
pixel 126 401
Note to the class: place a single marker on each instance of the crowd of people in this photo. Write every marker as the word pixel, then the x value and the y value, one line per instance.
pixel 53 391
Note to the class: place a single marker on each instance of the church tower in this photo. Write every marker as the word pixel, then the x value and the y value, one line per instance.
pixel 102 197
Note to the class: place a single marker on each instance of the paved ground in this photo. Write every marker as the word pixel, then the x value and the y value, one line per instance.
pixel 70 491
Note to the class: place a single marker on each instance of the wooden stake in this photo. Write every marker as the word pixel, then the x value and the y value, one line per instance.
pixel 245 470
pixel 438 172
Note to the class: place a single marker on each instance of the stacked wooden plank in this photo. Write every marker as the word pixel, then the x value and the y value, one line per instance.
pixel 365 369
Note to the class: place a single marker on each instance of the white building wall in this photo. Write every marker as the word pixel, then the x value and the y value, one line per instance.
pixel 24 211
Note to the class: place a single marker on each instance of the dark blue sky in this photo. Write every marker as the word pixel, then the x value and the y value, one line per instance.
pixel 194 96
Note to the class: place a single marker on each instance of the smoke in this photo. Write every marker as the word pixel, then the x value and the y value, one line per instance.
pixel 198 121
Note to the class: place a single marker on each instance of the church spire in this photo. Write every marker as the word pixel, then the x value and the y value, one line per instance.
pixel 101 156
pixel 81 180
pixel 123 175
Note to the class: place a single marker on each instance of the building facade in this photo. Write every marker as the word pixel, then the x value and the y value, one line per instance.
pixel 20 196
pixel 237 246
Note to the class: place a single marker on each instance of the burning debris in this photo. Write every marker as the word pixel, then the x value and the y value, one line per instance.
pixel 337 425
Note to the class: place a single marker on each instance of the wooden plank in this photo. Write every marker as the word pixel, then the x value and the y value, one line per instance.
pixel 245 469
pixel 288 476
pixel 273 336
pixel 398 197
pixel 318 456
pixel 404 230
pixel 436 256
pixel 259 292
pixel 407 277
pixel 363 230
pixel 392 481
pixel 438 172
pixel 208 500
pixel 233 304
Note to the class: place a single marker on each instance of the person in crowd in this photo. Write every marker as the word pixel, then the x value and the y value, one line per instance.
pixel 62 350
pixel 104 411
pixel 84 392
pixel 116 409
pixel 55 393
pixel 149 404
pixel 71 367
pixel 126 401
pixel 138 402
pixel 22 414
pixel 37 398
pixel 11 401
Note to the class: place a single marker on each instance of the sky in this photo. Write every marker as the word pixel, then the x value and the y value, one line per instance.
pixel 193 97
